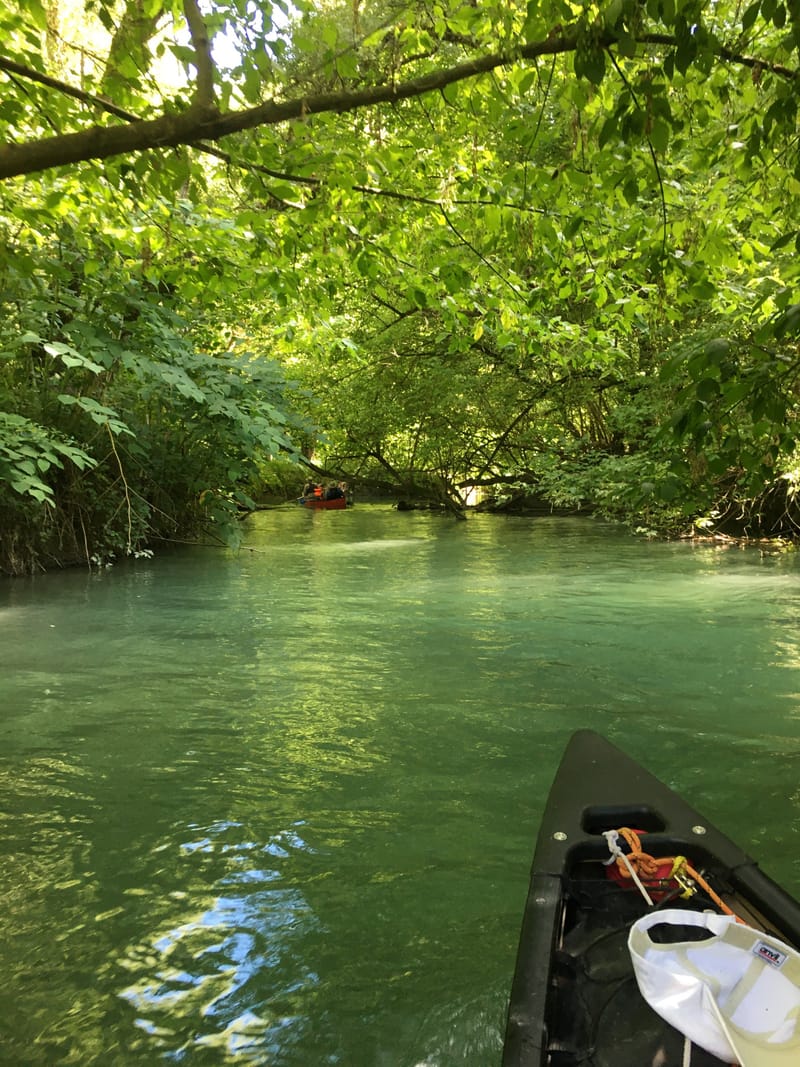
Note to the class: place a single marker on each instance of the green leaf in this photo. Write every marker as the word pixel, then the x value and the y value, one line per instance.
pixel 626 45
pixel 784 240
pixel 609 131
pixel 36 12
pixel 97 412
pixel 526 82
pixel 716 350
pixel 750 15
pixel 70 357
pixel 573 226
pixel 703 288
pixel 630 190
pixel 451 93
pixel 593 67
pixel 374 39
pixel 788 322
pixel 33 487
pixel 735 393
pixel 685 53
pixel 659 136
pixel 708 389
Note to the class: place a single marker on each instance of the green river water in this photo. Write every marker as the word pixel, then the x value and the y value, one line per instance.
pixel 278 806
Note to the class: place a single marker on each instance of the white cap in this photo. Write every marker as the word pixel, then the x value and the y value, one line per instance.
pixel 735 994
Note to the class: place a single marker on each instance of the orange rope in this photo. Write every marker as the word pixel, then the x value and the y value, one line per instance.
pixel 647 868
pixel 696 877
pixel 645 865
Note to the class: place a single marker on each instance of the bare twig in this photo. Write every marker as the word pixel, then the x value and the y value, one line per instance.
pixel 475 252
pixel 129 545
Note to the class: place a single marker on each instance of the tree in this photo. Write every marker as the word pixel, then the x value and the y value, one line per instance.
pixel 128 414
pixel 502 243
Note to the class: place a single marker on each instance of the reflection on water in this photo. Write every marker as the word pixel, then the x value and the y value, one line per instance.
pixel 278 806
pixel 212 965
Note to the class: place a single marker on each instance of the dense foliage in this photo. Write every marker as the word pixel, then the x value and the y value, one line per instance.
pixel 546 247
pixel 124 415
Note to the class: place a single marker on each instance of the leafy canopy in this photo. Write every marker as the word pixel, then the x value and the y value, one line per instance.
pixel 548 244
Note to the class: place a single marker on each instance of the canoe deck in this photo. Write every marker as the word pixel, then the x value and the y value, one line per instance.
pixel 597 1015
pixel 574 998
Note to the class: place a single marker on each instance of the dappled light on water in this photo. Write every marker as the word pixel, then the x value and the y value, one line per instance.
pixel 195 986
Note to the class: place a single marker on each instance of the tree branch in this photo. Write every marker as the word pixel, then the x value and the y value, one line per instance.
pixel 475 252
pixel 205 97
pixel 103 104
pixel 129 42
pixel 67 90
pixel 186 128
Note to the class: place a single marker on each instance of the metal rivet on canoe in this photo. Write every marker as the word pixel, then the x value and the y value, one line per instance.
pixel 559 835
pixel 698 829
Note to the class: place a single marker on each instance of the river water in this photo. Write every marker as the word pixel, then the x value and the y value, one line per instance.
pixel 278 806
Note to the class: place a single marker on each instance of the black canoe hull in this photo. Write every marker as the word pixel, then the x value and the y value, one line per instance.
pixel 597 788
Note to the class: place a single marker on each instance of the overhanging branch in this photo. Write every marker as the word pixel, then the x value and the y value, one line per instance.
pixel 65 89
pixel 103 104
pixel 200 123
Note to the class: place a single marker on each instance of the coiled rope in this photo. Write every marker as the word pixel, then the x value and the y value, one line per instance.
pixel 641 868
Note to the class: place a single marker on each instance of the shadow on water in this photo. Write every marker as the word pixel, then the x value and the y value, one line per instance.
pixel 278 806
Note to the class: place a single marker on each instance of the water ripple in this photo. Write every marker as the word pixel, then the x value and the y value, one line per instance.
pixel 210 980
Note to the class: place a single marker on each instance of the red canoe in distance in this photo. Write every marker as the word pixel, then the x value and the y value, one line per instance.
pixel 339 504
